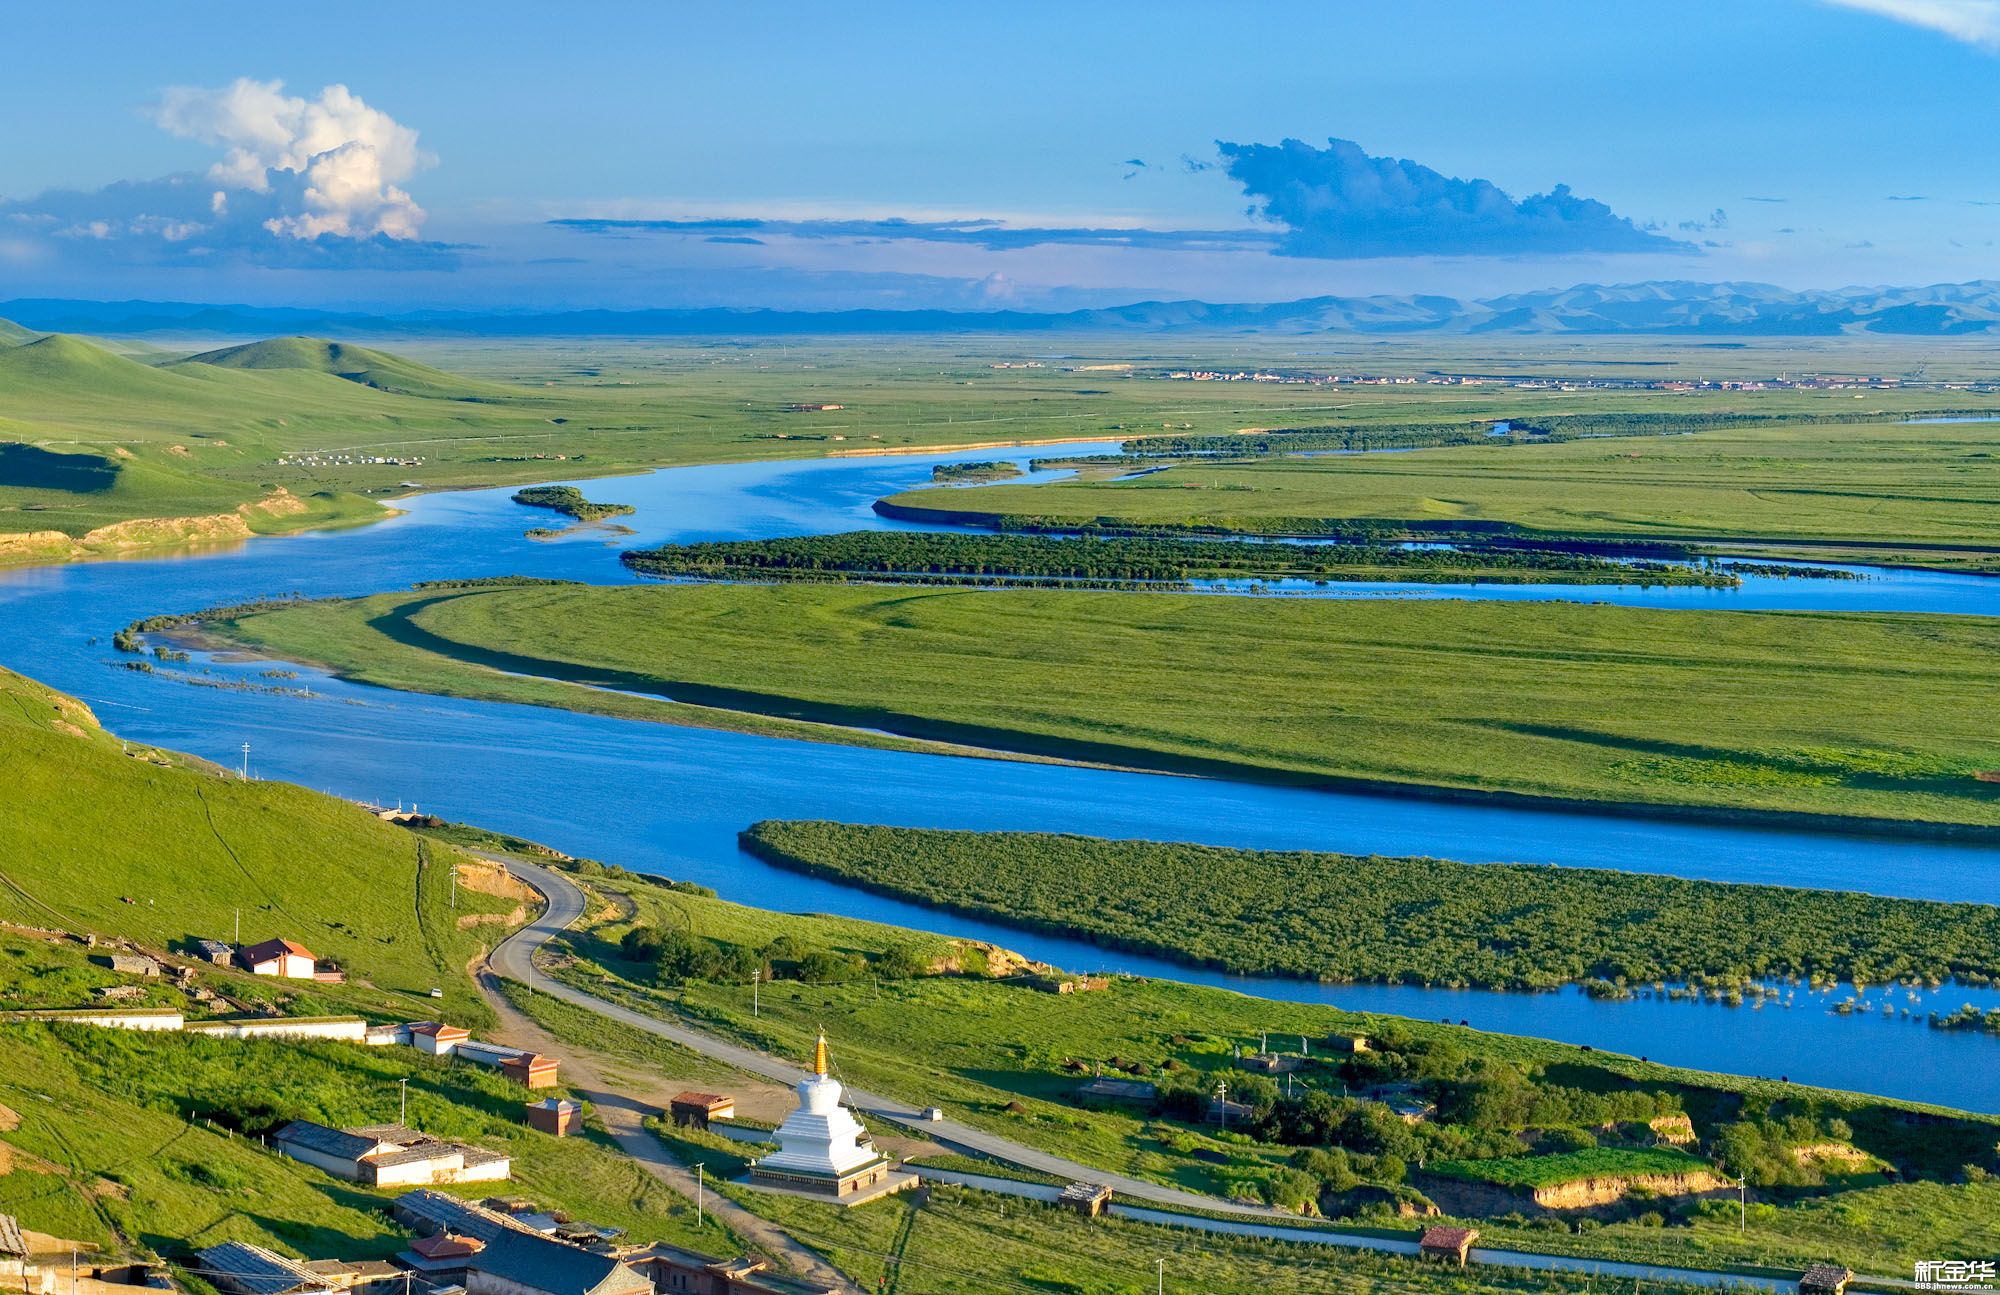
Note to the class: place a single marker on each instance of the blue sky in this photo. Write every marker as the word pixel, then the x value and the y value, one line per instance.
pixel 1040 155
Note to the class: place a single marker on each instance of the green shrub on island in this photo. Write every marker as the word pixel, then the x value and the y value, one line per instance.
pixel 1344 918
pixel 959 474
pixel 923 557
pixel 569 501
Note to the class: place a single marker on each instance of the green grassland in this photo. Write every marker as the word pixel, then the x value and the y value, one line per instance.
pixel 137 1142
pixel 998 1053
pixel 145 845
pixel 1839 715
pixel 1886 484
pixel 1345 918
pixel 216 432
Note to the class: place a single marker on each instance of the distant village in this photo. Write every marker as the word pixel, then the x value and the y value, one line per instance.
pixel 1783 382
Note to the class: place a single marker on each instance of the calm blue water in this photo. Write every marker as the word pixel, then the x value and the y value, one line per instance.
pixel 670 800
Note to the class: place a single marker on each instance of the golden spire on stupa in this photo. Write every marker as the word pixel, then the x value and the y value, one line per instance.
pixel 819 1055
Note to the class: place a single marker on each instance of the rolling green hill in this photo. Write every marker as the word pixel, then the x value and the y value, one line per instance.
pixel 147 845
pixel 369 367
pixel 12 334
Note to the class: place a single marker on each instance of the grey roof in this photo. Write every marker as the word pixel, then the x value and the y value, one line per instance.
pixel 326 1141
pixel 441 1211
pixel 237 1265
pixel 10 1237
pixel 551 1266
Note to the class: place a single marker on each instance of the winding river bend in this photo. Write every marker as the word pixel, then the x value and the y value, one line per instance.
pixel 670 800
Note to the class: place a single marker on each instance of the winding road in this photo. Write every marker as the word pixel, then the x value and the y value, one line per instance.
pixel 564 903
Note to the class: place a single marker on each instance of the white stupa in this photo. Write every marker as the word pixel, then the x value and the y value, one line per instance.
pixel 822 1148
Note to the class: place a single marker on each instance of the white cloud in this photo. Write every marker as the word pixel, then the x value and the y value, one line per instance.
pixel 339 161
pixel 1976 22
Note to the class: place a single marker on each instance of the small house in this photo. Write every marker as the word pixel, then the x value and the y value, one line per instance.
pixel 437 1038
pixel 531 1070
pixel 1447 1245
pixel 214 951
pixel 1353 1043
pixel 1825 1279
pixel 695 1110
pixel 13 1250
pixel 1270 1063
pixel 388 1155
pixel 239 1268
pixel 555 1116
pixel 1223 1111
pixel 278 958
pixel 1087 1199
pixel 1118 1090
pixel 441 1257
pixel 677 1271
pixel 128 964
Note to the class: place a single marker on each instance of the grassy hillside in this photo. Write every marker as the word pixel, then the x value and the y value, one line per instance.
pixel 369 367
pixel 12 334
pixel 143 1143
pixel 155 847
pixel 1851 715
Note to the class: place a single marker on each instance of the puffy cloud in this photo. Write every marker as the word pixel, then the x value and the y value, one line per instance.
pixel 335 162
pixel 1976 22
pixel 1338 202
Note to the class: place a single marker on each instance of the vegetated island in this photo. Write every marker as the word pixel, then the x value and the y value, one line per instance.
pixel 1347 918
pixel 569 501
pixel 1811 719
pixel 927 557
pixel 972 474
pixel 1804 485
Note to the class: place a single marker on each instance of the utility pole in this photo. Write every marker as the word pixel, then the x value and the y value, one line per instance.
pixel 1160 1287
pixel 756 975
pixel 1222 1104
pixel 403 1110
pixel 700 1188
pixel 239 927
pixel 245 773
pixel 1742 1203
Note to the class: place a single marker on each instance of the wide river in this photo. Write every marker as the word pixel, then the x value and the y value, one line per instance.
pixel 670 800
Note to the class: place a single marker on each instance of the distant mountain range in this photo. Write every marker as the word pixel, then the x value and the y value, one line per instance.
pixel 1668 308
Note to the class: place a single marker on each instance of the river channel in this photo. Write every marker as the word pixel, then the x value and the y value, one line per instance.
pixel 670 800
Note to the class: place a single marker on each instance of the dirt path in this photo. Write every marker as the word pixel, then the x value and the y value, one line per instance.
pixel 624 1118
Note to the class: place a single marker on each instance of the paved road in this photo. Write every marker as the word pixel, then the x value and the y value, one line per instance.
pixel 565 905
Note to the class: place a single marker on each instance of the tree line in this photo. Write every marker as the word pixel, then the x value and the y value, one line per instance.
pixel 981 558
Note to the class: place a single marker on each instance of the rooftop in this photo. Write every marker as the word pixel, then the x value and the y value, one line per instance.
pixel 269 949
pixel 255 1269
pixel 544 1265
pixel 346 1144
